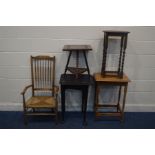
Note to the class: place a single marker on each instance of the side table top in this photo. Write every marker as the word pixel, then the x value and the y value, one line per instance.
pixel 70 79
pixel 98 78
pixel 116 33
pixel 77 48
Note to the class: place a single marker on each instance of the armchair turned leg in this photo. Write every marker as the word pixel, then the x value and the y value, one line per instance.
pixel 56 116
pixel 25 119
pixel 56 119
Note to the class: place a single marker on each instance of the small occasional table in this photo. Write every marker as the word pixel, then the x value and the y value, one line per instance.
pixel 123 36
pixel 69 81
pixel 77 49
pixel 111 81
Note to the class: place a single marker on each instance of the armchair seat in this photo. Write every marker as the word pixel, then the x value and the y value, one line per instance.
pixel 41 102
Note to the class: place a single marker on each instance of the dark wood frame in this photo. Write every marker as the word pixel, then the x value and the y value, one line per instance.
pixel 124 36
pixel 78 49
pixel 69 81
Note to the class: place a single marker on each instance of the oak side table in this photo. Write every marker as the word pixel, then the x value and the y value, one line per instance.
pixel 118 108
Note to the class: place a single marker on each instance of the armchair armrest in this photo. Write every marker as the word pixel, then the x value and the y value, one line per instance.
pixel 56 89
pixel 25 89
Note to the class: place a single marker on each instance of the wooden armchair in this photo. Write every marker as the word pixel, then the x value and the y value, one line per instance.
pixel 44 93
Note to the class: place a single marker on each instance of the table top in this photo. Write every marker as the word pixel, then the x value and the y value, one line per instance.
pixel 109 79
pixel 70 79
pixel 112 32
pixel 77 48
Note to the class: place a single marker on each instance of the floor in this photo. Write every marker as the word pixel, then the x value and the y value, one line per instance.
pixel 73 120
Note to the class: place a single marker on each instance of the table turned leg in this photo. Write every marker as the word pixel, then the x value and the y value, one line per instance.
pixel 95 96
pixel 62 102
pixel 119 96
pixel 84 103
pixel 97 90
pixel 124 99
pixel 70 53
pixel 84 53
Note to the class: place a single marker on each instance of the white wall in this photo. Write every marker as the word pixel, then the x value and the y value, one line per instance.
pixel 18 43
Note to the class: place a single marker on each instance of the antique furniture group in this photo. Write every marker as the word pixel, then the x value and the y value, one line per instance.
pixel 44 92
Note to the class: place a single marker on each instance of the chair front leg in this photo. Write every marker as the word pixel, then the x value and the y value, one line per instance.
pixel 25 111
pixel 56 113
